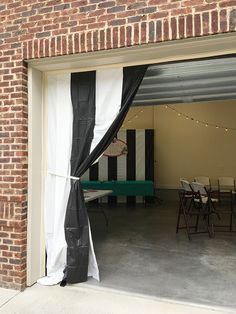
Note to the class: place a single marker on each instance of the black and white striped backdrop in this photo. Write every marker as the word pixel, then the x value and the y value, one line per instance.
pixel 138 164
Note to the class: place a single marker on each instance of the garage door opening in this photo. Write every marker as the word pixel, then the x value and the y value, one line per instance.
pixel 191 108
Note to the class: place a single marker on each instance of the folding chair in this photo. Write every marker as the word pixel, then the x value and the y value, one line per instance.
pixel 185 202
pixel 188 192
pixel 205 181
pixel 226 186
pixel 226 189
pixel 205 203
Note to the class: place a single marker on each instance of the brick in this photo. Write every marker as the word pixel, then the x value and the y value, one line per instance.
pixel 157 2
pixel 96 13
pixel 70 44
pixel 119 8
pixel 173 28
pixel 223 20
pixel 136 5
pixel 45 10
pixel 192 3
pixel 232 20
pixel 89 41
pixel 182 11
pixel 206 7
pixel 117 22
pixel 224 4
pixel 121 42
pixel 143 32
pixel 158 15
pixel 169 6
pixel 166 30
pixel 106 17
pixel 96 25
pixel 151 31
pixel 115 37
pixel 107 4
pixel 181 25
pixel 189 25
pixel 129 35
pixel 29 13
pixel 88 8
pixel 214 21
pixel 197 25
pixel 61 7
pixel 136 34
pixel 43 34
pixel 135 19
pixel 205 23
pixel 88 21
pixel 79 3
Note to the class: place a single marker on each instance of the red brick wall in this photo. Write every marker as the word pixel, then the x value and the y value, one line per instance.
pixel 38 28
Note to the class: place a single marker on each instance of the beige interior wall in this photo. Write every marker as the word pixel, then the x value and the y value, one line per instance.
pixel 186 149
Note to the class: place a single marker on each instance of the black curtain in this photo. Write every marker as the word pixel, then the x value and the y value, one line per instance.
pixel 83 101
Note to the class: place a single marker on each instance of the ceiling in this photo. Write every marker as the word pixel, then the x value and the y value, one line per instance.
pixel 188 81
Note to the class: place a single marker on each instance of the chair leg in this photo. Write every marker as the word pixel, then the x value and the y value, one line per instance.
pixel 196 225
pixel 209 225
pixel 219 198
pixel 232 213
pixel 178 219
pixel 215 211
pixel 231 222
pixel 182 210
pixel 105 217
pixel 187 225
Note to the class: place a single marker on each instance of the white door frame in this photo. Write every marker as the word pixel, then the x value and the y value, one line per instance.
pixel 185 49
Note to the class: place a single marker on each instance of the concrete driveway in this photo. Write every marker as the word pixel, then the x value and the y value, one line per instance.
pixel 85 299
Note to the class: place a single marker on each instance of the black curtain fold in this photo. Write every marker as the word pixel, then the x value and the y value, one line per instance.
pixel 83 101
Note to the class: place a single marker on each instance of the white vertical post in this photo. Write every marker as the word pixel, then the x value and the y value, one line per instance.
pixel 35 239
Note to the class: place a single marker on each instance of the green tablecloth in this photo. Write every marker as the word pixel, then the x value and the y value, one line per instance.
pixel 128 188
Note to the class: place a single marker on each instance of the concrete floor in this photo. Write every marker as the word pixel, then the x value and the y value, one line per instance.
pixel 142 254
pixel 71 299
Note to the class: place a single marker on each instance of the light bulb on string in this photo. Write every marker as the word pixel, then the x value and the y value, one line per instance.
pixel 180 114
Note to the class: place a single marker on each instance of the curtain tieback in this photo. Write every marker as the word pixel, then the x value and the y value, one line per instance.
pixel 63 176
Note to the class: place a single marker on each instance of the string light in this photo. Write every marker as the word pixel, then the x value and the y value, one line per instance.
pixel 187 117
pixel 135 116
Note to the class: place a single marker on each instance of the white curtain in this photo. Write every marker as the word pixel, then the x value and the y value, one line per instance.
pixel 59 142
pixel 109 83
pixel 57 188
